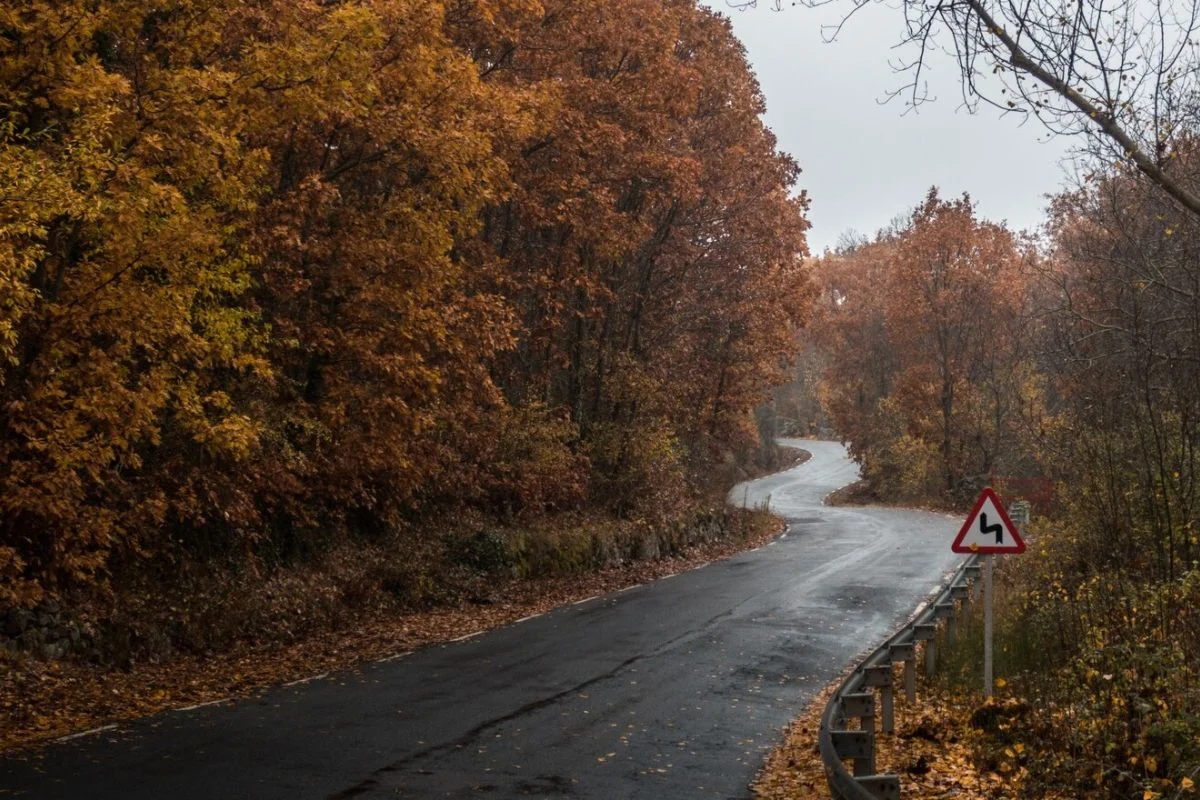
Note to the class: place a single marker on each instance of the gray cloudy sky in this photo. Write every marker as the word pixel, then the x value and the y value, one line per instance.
pixel 864 162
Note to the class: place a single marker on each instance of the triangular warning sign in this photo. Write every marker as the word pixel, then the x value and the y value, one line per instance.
pixel 988 529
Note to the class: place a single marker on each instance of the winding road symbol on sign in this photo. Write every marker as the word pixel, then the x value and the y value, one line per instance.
pixel 997 529
pixel 978 536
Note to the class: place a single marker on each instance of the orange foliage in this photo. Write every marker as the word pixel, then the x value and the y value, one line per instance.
pixel 926 334
pixel 274 273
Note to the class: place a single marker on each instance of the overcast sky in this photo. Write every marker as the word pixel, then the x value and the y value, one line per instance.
pixel 864 163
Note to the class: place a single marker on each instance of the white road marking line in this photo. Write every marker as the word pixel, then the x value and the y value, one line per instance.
pixel 203 705
pixel 81 734
pixel 306 680
pixel 394 657
pixel 585 600
pixel 772 544
pixel 672 575
pixel 627 588
pixel 468 636
pixel 526 619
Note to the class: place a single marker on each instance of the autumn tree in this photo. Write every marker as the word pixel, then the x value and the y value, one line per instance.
pixel 1104 615
pixel 929 372
pixel 231 308
pixel 382 138
pixel 650 244
pixel 282 276
pixel 1120 289
pixel 126 182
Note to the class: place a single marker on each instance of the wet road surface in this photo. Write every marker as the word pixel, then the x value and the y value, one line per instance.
pixel 673 689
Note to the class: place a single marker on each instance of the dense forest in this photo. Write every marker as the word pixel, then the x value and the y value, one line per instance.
pixel 309 306
pixel 364 287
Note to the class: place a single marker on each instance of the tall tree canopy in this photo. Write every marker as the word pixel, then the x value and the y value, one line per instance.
pixel 928 371
pixel 277 273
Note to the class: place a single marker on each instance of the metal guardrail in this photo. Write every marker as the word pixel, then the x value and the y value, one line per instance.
pixel 854 698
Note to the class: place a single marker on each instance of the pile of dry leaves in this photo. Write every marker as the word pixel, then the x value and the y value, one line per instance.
pixel 938 750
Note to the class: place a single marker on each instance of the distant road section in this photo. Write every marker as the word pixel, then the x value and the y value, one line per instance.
pixel 671 690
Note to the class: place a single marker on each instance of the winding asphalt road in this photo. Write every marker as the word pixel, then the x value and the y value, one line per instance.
pixel 673 689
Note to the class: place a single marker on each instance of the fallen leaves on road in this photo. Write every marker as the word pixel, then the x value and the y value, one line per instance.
pixel 793 770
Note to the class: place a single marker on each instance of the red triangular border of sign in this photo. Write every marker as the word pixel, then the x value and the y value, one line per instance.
pixel 1018 545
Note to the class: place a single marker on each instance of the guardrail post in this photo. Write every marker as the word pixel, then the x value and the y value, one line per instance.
pixel 882 787
pixel 858 745
pixel 854 699
pixel 880 677
pixel 907 653
pixel 861 705
pixel 944 611
pixel 972 571
pixel 925 632
pixel 958 596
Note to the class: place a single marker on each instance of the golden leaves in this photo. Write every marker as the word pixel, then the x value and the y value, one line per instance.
pixel 299 266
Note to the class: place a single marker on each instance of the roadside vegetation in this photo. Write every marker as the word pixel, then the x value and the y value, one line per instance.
pixel 319 312
pixel 1063 370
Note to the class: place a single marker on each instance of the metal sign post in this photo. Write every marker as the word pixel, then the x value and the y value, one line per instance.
pixel 989 530
pixel 987 627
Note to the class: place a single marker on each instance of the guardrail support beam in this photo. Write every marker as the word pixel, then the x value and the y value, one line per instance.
pixel 857 745
pixel 907 653
pixel 882 787
pixel 880 676
pixel 860 705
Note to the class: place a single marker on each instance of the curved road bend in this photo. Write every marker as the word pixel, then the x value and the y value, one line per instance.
pixel 674 689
